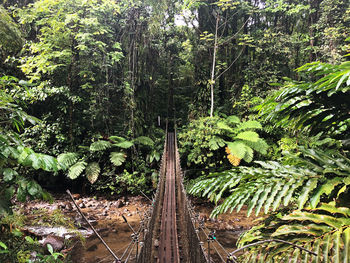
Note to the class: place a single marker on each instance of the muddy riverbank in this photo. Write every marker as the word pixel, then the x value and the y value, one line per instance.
pixel 59 220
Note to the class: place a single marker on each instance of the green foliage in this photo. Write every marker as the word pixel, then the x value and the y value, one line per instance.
pixel 314 175
pixel 206 135
pixel 92 172
pixel 89 158
pixel 324 230
pixel 76 169
pixel 16 158
pixel 10 35
pixel 117 158
pixel 100 146
pixel 67 159
pixel 314 106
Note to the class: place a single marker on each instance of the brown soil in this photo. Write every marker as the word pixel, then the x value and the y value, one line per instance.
pixel 107 218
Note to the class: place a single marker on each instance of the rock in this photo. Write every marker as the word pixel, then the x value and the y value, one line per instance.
pixel 90 204
pixel 68 206
pixel 82 205
pixel 76 196
pixel 56 242
pixel 105 212
pixel 156 243
pixel 119 204
pixel 92 248
pixel 33 256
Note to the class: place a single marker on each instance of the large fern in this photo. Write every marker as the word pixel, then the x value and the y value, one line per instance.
pixel 274 184
pixel 324 230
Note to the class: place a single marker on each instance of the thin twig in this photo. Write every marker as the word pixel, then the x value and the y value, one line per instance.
pixel 272 240
pixel 92 228
pixel 240 53
pixel 232 37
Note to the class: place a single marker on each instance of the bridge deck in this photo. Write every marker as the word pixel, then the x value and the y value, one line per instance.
pixel 168 245
pixel 171 236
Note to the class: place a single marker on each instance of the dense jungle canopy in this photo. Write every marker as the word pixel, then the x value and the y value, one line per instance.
pixel 259 91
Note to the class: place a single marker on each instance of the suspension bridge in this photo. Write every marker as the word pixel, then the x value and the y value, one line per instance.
pixel 170 231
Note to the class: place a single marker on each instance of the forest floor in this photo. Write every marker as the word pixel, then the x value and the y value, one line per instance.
pixel 52 222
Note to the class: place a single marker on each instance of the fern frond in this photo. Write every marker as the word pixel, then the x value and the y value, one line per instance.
pixel 124 144
pixel 327 235
pixel 259 146
pixel 66 160
pixel 215 143
pixel 76 170
pixel 233 119
pixel 92 172
pixel 117 158
pixel 249 125
pixel 274 184
pixel 100 146
pixel 144 141
pixel 237 148
pixel 248 136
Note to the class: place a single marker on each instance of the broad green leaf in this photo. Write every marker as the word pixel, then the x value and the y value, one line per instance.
pixel 49 248
pixel 233 119
pixel 33 188
pixel 3 245
pixel 9 174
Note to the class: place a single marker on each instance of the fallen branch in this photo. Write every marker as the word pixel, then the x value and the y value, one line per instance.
pixel 93 229
pixel 272 240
